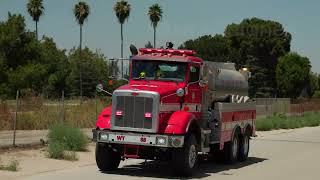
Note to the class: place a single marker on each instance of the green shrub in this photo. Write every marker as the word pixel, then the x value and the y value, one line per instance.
pixel 70 156
pixel 282 122
pixel 264 125
pixel 69 137
pixel 316 94
pixel 64 140
pixel 56 150
pixel 12 166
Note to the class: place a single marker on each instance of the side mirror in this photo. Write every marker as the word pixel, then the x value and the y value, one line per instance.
pixel 203 83
pixel 99 88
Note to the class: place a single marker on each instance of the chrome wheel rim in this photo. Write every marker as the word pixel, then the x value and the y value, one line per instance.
pixel 192 156
pixel 235 148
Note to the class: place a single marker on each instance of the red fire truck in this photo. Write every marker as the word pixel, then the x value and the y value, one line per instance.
pixel 176 107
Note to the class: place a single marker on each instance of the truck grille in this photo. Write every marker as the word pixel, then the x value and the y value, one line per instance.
pixel 134 109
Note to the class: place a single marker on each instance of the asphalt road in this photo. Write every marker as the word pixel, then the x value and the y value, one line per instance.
pixel 274 155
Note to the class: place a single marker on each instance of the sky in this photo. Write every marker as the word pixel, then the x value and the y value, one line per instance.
pixel 182 20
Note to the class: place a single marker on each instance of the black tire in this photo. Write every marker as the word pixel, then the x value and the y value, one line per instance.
pixel 106 158
pixel 244 147
pixel 231 149
pixel 184 160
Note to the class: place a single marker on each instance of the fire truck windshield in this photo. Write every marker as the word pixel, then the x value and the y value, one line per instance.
pixel 158 70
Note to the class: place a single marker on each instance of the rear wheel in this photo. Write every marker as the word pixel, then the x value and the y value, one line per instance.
pixel 184 160
pixel 106 158
pixel 244 147
pixel 231 149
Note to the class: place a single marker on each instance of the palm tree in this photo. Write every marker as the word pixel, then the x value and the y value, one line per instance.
pixel 155 15
pixel 35 9
pixel 122 9
pixel 81 11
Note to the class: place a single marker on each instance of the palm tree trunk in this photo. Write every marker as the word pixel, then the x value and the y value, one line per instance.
pixel 121 50
pixel 80 46
pixel 37 30
pixel 154 36
pixel 80 67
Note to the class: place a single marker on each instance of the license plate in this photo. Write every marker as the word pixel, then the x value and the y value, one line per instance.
pixel 125 138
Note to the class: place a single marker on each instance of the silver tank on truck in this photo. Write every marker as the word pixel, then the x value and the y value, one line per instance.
pixel 224 80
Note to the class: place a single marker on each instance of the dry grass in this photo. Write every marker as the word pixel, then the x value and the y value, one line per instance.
pixel 37 114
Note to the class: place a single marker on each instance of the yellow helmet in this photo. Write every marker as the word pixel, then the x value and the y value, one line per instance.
pixel 142 74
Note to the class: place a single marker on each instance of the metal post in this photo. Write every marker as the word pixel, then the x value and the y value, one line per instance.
pixel 96 97
pixel 15 119
pixel 62 109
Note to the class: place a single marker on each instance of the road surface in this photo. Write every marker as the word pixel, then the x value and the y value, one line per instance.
pixel 292 154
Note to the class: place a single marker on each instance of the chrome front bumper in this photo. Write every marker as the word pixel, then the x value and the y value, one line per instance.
pixel 156 140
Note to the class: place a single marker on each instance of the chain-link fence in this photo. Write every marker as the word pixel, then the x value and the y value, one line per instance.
pixel 34 113
pixel 267 107
pixel 39 113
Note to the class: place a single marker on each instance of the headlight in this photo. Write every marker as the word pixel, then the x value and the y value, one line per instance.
pixel 161 141
pixel 176 141
pixel 104 137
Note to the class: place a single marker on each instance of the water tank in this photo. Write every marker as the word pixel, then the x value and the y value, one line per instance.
pixel 223 79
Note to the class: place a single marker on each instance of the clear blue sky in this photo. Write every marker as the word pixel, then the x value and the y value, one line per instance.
pixel 182 20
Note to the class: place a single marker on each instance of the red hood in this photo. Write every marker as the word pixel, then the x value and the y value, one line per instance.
pixel 163 88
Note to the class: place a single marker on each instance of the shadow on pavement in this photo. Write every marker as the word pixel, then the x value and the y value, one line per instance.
pixel 160 169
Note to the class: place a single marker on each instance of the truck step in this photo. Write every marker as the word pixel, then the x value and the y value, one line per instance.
pixel 131 151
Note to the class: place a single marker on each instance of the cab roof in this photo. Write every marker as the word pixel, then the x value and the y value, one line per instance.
pixel 177 55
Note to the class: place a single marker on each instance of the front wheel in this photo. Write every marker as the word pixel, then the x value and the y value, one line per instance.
pixel 184 160
pixel 106 158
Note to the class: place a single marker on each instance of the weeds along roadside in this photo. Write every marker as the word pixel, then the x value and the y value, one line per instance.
pixel 280 121
pixel 64 140
pixel 13 165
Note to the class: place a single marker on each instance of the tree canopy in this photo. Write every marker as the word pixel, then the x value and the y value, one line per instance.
pixel 27 64
pixel 211 48
pixel 253 43
pixel 155 15
pixel 35 9
pixel 293 74
pixel 122 10
pixel 81 12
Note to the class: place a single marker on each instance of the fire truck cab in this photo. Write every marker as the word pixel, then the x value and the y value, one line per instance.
pixel 176 107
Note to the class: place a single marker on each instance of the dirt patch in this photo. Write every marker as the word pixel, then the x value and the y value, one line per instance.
pixel 19 148
pixel 33 160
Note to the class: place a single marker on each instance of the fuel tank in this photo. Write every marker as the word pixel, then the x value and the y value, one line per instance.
pixel 223 79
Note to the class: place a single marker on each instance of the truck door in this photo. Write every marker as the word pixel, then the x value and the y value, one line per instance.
pixel 194 94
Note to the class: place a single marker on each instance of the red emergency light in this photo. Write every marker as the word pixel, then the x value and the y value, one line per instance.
pixel 167 51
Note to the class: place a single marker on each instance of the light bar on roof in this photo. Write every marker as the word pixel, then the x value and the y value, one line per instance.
pixel 168 51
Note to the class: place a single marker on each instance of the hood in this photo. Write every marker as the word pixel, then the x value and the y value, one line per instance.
pixel 163 88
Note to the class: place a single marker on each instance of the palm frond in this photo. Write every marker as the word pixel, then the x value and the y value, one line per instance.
pixel 122 9
pixel 155 14
pixel 35 9
pixel 81 12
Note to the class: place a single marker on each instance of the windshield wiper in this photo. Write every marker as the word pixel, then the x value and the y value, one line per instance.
pixel 168 80
pixel 137 78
